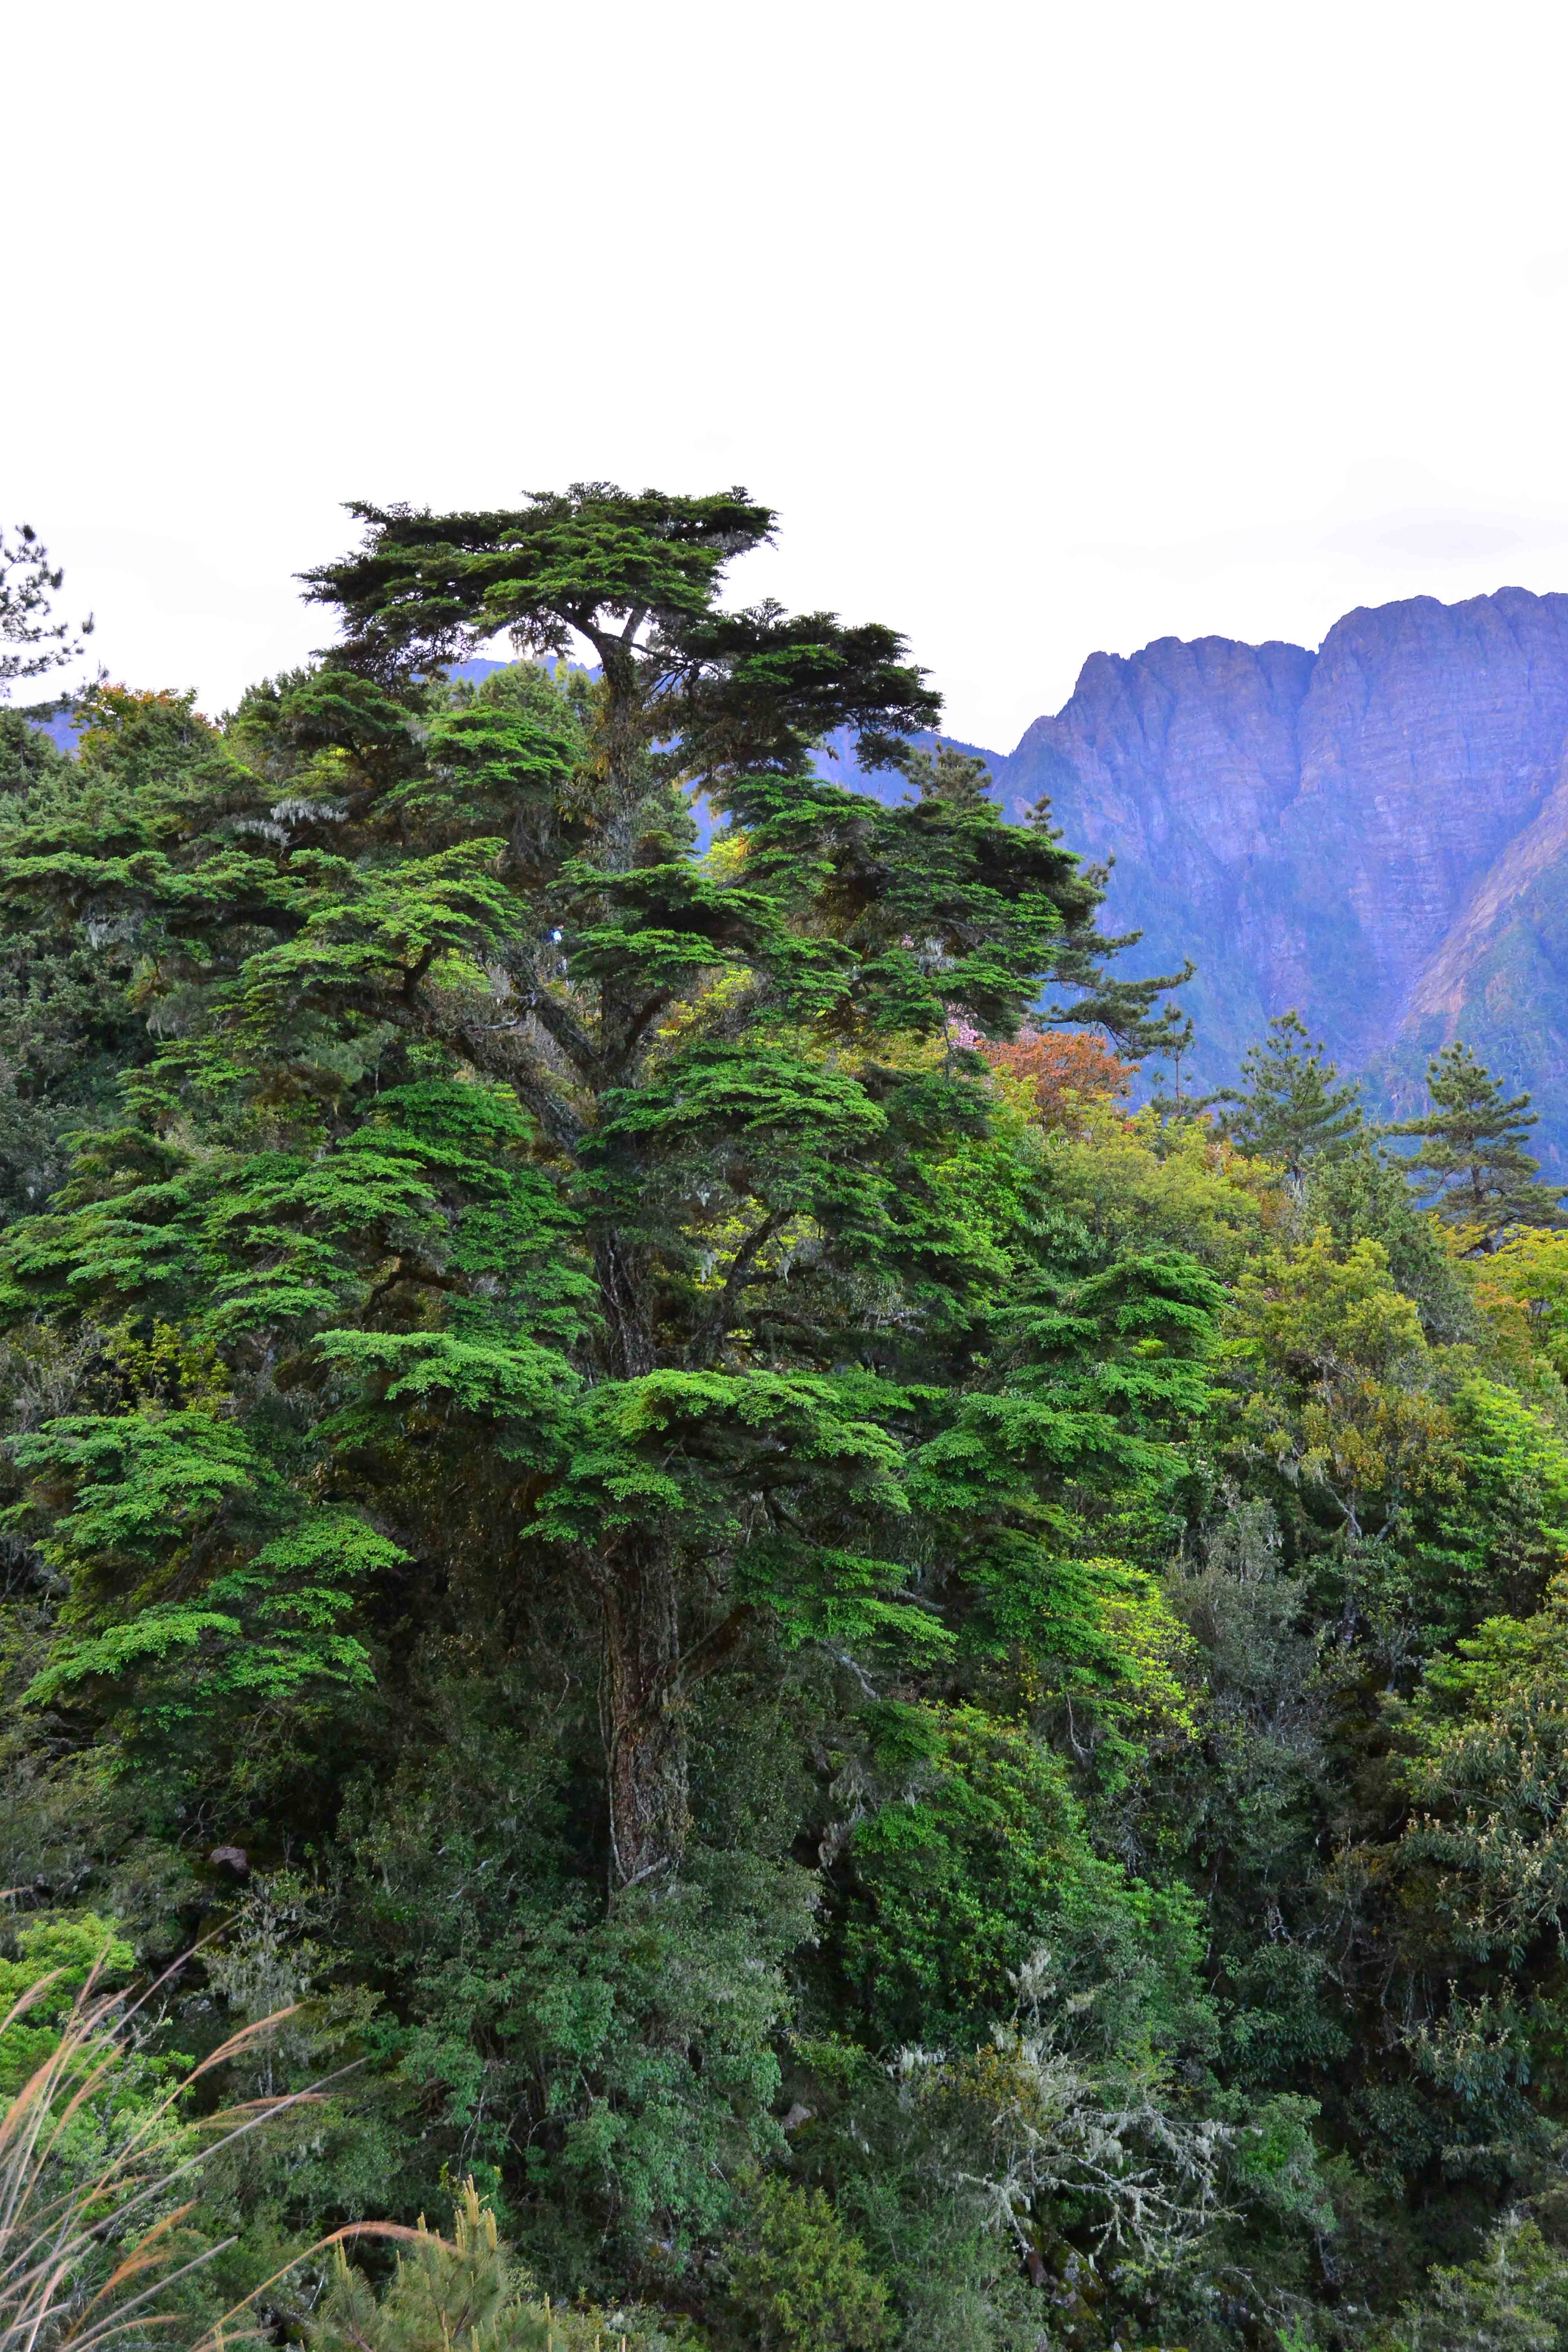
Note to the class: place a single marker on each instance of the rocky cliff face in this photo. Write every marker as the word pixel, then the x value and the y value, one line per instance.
pixel 1377 833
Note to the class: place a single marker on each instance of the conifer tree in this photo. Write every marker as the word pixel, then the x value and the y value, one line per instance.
pixel 1124 1010
pixel 1290 1108
pixel 946 774
pixel 1472 1166
pixel 521 1202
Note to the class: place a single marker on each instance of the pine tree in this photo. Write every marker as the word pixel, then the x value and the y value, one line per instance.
pixel 523 1205
pixel 946 774
pixel 1472 1166
pixel 1290 1108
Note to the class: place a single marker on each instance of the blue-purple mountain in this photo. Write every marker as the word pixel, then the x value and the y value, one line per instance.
pixel 1377 833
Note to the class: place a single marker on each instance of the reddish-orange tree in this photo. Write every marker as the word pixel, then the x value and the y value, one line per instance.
pixel 1068 1068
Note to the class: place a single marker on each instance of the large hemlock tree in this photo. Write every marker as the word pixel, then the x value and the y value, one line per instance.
pixel 522 1201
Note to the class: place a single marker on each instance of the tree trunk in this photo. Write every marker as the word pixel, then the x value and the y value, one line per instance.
pixel 628 1348
pixel 644 1697
pixel 644 1731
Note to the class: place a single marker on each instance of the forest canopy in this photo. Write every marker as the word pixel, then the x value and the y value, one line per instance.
pixel 889 1689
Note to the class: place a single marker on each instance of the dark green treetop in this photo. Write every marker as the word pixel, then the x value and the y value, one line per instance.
pixel 636 577
pixel 1472 1166
pixel 945 774
pixel 730 702
pixel 1124 1008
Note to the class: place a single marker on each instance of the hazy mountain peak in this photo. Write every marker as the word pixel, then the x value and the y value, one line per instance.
pixel 1373 833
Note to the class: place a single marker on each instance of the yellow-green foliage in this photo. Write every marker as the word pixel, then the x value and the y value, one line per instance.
pixel 800 2282
pixel 1134 1181
pixel 1334 1373
pixel 55 1958
pixel 468 2293
pixel 1524 1285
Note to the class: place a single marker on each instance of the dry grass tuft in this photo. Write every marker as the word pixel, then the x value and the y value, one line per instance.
pixel 90 2254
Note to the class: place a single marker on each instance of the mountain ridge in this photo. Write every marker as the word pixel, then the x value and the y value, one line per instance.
pixel 1375 833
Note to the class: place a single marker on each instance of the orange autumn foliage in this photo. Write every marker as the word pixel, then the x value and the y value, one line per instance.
pixel 1068 1068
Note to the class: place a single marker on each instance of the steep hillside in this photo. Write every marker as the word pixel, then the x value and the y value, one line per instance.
pixel 1377 833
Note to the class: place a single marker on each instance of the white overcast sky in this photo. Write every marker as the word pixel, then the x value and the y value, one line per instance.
pixel 1047 328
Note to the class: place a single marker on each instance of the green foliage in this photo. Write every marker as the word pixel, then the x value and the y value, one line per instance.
pixel 976 1855
pixel 1529 1272
pixel 107 2154
pixel 1331 1372
pixel 1472 1164
pixel 68 1030
pixel 1290 1110
pixel 467 2290
pixel 799 2280
pixel 1490 1774
pixel 1133 1183
pixel 880 1718
pixel 959 1868
pixel 1513 2298
pixel 38 1988
pixel 491 1127
pixel 1501 1524
pixel 1360 1193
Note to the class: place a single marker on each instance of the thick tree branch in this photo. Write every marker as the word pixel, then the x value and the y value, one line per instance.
pixel 717 1647
pixel 705 1342
pixel 564 1031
